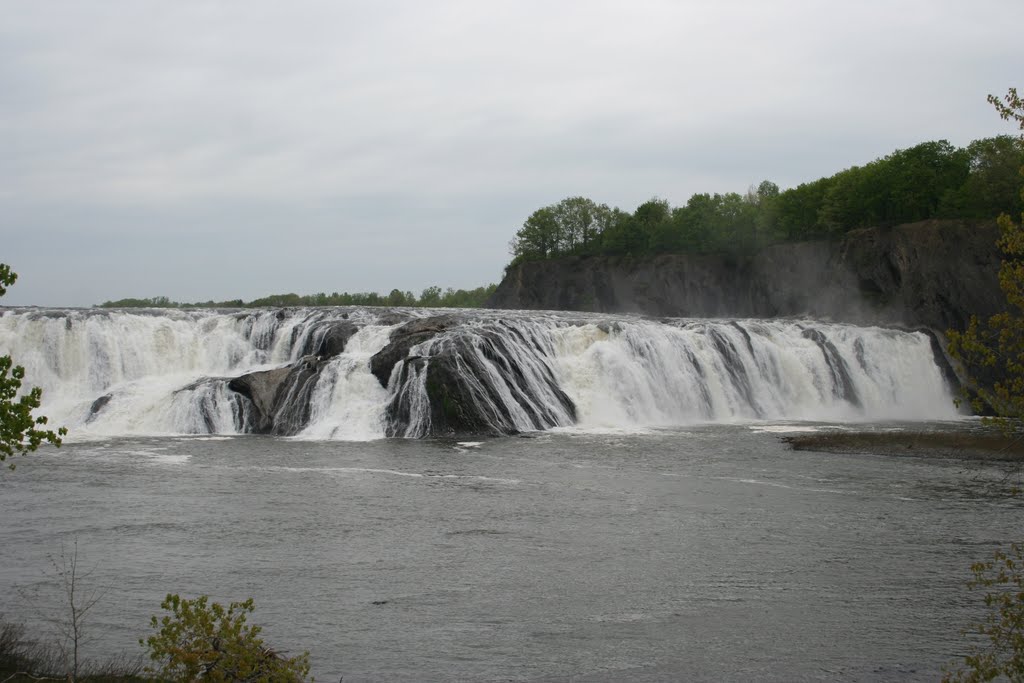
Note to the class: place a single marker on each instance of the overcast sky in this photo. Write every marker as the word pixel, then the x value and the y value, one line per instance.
pixel 225 150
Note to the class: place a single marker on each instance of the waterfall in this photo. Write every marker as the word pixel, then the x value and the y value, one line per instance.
pixel 348 403
pixel 655 374
pixel 107 373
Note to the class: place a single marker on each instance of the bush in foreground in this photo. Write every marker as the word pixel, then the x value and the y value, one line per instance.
pixel 200 639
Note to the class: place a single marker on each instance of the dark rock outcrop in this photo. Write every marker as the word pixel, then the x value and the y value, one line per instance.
pixel 466 397
pixel 404 338
pixel 97 406
pixel 328 338
pixel 934 274
pixel 262 389
pixel 281 398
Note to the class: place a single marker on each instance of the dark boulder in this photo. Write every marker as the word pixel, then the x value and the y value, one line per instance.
pixel 328 338
pixel 260 387
pixel 402 340
pixel 469 376
pixel 97 406
pixel 453 409
pixel 280 398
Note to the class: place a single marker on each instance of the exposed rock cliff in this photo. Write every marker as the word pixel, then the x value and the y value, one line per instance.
pixel 934 274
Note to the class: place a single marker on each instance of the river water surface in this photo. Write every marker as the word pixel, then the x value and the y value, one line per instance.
pixel 714 553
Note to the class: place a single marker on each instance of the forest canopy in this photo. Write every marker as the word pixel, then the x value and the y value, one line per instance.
pixel 929 180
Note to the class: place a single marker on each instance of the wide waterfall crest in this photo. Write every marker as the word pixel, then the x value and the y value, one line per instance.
pixel 358 374
pixel 711 371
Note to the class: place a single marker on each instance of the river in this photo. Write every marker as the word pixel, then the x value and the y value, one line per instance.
pixel 629 512
pixel 712 553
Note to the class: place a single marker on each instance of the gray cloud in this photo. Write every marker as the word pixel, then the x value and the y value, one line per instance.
pixel 235 149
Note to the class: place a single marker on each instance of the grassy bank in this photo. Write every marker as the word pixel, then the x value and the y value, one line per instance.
pixel 24 659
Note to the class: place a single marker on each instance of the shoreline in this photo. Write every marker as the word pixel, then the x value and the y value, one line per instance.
pixel 962 445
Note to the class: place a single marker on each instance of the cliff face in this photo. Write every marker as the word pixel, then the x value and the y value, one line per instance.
pixel 934 274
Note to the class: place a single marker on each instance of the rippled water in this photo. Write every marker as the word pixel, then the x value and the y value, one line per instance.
pixel 714 553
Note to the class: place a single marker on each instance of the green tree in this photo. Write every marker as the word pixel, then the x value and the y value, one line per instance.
pixel 735 227
pixel 577 223
pixel 623 235
pixel 920 176
pixel 997 348
pixel 767 190
pixel 994 182
pixel 430 297
pixel 694 222
pixel 207 641
pixel 799 210
pixel 903 187
pixel 19 429
pixel 765 199
pixel 399 298
pixel 539 237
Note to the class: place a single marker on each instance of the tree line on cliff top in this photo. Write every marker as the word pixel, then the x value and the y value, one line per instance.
pixel 929 180
pixel 431 297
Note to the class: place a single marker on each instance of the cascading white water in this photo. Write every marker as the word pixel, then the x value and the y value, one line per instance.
pixel 348 402
pixel 153 372
pixel 114 372
pixel 651 374
pixel 505 370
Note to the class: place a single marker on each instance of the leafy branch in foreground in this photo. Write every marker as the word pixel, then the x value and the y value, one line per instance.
pixel 993 351
pixel 18 427
pixel 994 356
pixel 1003 627
pixel 1010 108
pixel 204 640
